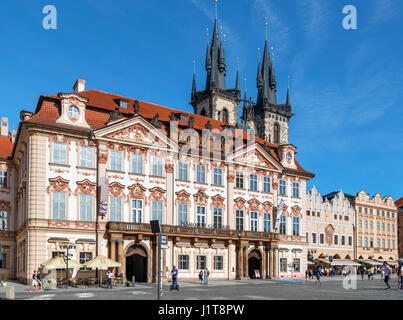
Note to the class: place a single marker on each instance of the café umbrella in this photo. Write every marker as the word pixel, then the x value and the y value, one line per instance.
pixel 60 262
pixel 101 262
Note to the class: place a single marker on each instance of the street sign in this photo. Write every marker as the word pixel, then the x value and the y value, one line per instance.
pixel 155 226
pixel 164 246
pixel 163 239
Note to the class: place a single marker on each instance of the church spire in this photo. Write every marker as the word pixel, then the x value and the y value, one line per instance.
pixel 237 84
pixel 194 80
pixel 288 102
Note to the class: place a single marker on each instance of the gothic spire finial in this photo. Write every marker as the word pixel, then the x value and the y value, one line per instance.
pixel 237 84
pixel 216 9
pixel 266 24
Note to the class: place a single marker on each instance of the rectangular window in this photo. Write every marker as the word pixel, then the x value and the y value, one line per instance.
pixel 350 241
pixel 184 117
pixel 295 189
pixel 218 176
pixel 360 224
pixel 360 241
pixel 3 262
pixel 115 205
pixel 371 225
pixel 201 262
pixel 137 163
pixel 183 262
pixel 388 227
pixel 283 265
pixel 183 171
pixel 321 238
pixel 378 242
pixel 217 218
pixel 239 219
pixel 267 222
pixel 366 224
pixel 3 179
pixel 3 221
pixel 239 180
pixel 157 167
pixel 253 221
pixel 283 226
pixel 378 226
pixel 123 104
pixel 359 209
pixel 366 210
pixel 336 239
pixel 59 153
pixel 282 187
pixel 253 182
pixel 86 157
pixel 393 244
pixel 57 253
pixel 59 205
pixel 313 237
pixel 218 263
pixel 343 240
pixel 116 160
pixel 383 226
pixel 383 243
pixel 366 242
pixel 201 174
pixel 297 265
pixel 371 242
pixel 295 226
pixel 388 244
pixel 137 210
pixel 182 214
pixel 84 258
pixel 156 209
pixel 393 228
pixel 86 202
pixel 266 184
pixel 201 216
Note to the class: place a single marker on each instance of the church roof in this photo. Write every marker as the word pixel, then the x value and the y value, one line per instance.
pixel 6 146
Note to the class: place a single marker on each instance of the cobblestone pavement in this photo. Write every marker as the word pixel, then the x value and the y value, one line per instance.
pixel 331 288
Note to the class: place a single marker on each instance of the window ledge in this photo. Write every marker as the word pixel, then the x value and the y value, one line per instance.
pixel 137 174
pixel 203 183
pixel 86 168
pixel 217 185
pixel 180 180
pixel 159 177
pixel 59 165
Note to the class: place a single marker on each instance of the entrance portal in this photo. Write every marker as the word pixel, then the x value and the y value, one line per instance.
pixel 254 264
pixel 136 264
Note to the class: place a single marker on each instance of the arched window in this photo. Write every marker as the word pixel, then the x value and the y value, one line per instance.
pixel 225 116
pixel 276 136
pixel 203 113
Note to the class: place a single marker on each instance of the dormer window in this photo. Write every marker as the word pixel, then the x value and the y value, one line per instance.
pixel 73 112
pixel 184 118
pixel 123 104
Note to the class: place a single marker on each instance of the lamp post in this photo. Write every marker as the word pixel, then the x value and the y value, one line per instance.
pixel 67 246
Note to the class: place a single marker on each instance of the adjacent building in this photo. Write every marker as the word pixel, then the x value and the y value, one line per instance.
pixel 330 225
pixel 377 227
pixel 399 205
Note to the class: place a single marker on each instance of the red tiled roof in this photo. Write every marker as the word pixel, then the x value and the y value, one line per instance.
pixel 6 146
pixel 100 104
pixel 399 203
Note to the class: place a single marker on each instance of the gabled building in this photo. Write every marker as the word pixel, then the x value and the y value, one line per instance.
pixel 399 205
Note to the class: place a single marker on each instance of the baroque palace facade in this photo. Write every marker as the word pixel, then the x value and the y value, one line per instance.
pixel 219 208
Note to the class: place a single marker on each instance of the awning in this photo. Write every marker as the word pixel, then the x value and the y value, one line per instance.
pixel 388 261
pixel 341 262
pixel 372 262
pixel 324 261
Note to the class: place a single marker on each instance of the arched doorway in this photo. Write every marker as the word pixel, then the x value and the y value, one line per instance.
pixel 136 264
pixel 348 257
pixel 254 263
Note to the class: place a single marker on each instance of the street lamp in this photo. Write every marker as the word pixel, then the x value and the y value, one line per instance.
pixel 67 246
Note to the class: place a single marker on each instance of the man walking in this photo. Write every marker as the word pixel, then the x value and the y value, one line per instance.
pixel 400 275
pixel 109 283
pixel 206 275
pixel 387 275
pixel 318 274
pixel 174 274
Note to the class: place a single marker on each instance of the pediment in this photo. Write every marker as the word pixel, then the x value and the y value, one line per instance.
pixel 256 156
pixel 137 131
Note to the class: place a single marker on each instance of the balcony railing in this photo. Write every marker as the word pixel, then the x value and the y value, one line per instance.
pixel 194 231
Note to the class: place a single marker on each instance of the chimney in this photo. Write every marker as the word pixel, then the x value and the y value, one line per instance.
pixel 4 127
pixel 79 85
pixel 14 135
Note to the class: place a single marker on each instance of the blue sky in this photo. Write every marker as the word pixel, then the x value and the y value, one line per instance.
pixel 346 85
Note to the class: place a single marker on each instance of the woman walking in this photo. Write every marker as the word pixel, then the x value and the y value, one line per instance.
pixel 201 276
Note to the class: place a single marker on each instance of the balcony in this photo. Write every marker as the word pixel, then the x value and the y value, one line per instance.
pixel 191 231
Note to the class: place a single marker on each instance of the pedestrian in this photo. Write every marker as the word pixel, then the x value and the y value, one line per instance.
pixel 400 275
pixel 206 275
pixel 109 276
pixel 39 280
pixel 310 274
pixel 33 283
pixel 201 276
pixel 387 270
pixel 362 273
pixel 371 273
pixel 174 273
pixel 318 274
pixel 382 273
